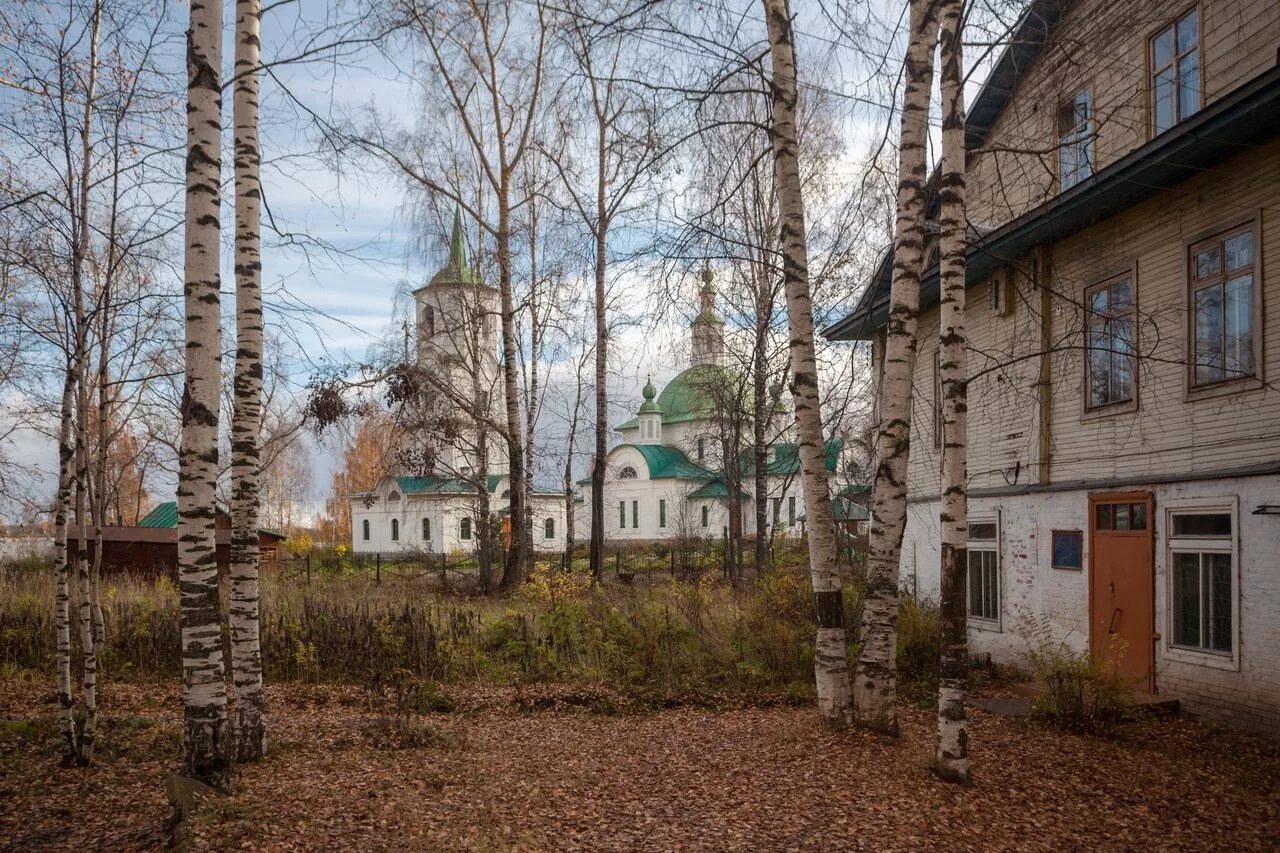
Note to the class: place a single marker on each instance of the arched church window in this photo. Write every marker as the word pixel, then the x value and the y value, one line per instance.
pixel 702 442
pixel 704 515
pixel 364 530
pixel 549 529
pixel 464 528
pixel 394 496
pixel 627 473
pixel 426 529
pixel 395 530
pixel 429 319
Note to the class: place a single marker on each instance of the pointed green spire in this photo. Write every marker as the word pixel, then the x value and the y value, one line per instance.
pixel 457 242
pixel 455 269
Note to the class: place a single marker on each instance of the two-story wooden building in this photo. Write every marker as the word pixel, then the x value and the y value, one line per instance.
pixel 1124 323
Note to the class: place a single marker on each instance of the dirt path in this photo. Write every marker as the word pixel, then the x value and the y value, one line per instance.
pixel 494 776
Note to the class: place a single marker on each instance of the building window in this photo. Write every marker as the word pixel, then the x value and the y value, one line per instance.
pixel 984 571
pixel 1125 516
pixel 429 319
pixel 1109 326
pixel 662 512
pixel 395 530
pixel 464 528
pixel 777 511
pixel 791 511
pixel 622 515
pixel 426 530
pixel 1222 296
pixel 627 473
pixel 1075 139
pixel 635 514
pixel 705 517
pixel 393 496
pixel 1202 562
pixel 1175 72
pixel 1068 549
pixel 701 448
pixel 549 529
pixel 364 530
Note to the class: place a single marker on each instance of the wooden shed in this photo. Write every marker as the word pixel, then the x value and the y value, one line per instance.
pixel 151 548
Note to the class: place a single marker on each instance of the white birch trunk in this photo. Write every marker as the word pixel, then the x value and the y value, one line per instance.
pixel 61 573
pixel 204 694
pixel 88 647
pixel 89 658
pixel 875 678
pixel 953 729
pixel 248 726
pixel 831 671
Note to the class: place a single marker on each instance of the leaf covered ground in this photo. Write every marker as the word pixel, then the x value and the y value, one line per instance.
pixel 575 768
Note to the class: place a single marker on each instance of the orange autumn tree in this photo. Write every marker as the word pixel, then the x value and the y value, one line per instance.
pixel 366 457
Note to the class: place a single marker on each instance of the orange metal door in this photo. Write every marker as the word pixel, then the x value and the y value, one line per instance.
pixel 1122 583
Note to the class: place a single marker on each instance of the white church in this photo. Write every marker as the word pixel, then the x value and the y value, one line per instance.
pixel 457 340
pixel 666 478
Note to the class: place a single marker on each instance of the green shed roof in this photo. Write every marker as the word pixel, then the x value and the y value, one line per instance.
pixel 164 515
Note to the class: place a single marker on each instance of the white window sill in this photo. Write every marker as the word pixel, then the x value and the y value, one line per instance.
pixel 991 626
pixel 1213 660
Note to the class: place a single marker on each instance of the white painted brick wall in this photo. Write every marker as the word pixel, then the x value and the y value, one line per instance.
pixel 1244 691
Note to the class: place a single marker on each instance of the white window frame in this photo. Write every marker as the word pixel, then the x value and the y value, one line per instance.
pixel 993 546
pixel 1227 504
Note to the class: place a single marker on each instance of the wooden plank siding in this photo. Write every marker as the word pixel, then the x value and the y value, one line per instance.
pixel 1168 432
pixel 1103 46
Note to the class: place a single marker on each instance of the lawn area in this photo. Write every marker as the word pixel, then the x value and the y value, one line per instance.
pixel 551 767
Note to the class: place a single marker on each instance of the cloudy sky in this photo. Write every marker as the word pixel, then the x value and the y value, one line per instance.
pixel 340 290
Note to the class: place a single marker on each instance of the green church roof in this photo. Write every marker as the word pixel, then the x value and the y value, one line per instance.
pixel 666 463
pixel 786 457
pixel 649 406
pixel 686 397
pixel 717 488
pixel 456 269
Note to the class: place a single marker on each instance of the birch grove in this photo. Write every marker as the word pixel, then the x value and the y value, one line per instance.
pixel 204 690
pixel 831 671
pixel 249 730
pixel 875 677
pixel 953 729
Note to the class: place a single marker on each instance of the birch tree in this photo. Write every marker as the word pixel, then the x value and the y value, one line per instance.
pixel 204 688
pixel 875 679
pixel 248 726
pixel 953 730
pixel 619 141
pixel 831 671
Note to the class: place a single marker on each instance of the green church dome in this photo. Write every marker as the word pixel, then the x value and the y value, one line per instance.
pixel 649 406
